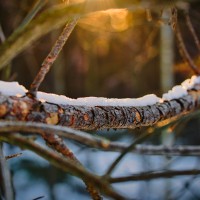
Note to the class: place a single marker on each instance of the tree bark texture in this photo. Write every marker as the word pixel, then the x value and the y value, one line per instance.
pixel 97 117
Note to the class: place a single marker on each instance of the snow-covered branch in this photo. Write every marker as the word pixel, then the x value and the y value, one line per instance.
pixel 98 113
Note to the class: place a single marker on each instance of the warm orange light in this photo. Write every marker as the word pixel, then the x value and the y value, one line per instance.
pixel 113 20
pixel 72 1
pixel 119 19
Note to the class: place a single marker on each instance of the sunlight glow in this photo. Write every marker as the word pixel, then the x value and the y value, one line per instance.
pixel 114 20
pixel 119 19
pixel 73 1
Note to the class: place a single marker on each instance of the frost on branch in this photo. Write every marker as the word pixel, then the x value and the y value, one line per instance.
pixel 97 113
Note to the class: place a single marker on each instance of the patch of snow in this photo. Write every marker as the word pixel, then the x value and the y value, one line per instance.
pixel 53 98
pixel 181 90
pixel 189 83
pixel 12 89
pixel 176 92
pixel 98 101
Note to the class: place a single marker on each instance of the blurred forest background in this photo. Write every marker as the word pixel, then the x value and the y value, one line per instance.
pixel 115 55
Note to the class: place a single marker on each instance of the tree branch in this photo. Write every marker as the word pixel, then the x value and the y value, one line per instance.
pixel 57 143
pixel 97 117
pixel 62 163
pixel 52 56
pixel 6 182
pixel 192 30
pixel 96 141
pixel 154 175
pixel 125 152
pixel 181 150
pixel 184 52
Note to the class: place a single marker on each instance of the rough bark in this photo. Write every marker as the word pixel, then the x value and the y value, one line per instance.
pixel 97 117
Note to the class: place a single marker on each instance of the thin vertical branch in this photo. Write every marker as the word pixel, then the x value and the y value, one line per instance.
pixel 6 178
pixel 50 59
pixel 192 31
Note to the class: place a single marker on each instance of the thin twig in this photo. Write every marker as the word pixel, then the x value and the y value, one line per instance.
pixel 173 18
pixel 13 156
pixel 63 163
pixel 52 56
pixel 192 31
pixel 181 150
pixel 31 14
pixel 183 51
pixel 37 198
pixel 127 150
pixel 6 178
pixel 154 175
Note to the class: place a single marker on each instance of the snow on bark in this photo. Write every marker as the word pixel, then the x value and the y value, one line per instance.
pixel 14 89
pixel 96 117
pixel 98 113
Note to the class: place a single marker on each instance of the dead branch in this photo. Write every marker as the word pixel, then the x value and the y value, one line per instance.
pixel 52 56
pixel 13 156
pixel 57 143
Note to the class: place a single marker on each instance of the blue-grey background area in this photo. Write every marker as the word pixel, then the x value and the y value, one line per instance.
pixel 34 177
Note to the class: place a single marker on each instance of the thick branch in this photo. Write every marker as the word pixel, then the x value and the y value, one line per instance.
pixel 95 141
pixel 96 117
